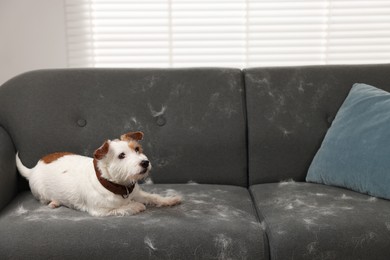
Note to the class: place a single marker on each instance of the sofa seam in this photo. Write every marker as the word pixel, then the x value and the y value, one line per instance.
pixel 260 218
pixel 245 111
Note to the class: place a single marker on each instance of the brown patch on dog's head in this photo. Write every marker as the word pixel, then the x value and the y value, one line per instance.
pixel 132 136
pixel 102 150
pixel 54 156
pixel 134 145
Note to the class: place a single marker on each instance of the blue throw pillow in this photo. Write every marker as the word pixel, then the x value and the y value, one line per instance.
pixel 355 153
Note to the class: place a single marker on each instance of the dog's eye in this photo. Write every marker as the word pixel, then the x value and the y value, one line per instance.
pixel 121 156
pixel 137 149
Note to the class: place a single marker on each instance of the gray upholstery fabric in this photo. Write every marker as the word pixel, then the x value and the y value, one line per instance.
pixel 213 222
pixel 8 175
pixel 290 110
pixel 312 221
pixel 193 119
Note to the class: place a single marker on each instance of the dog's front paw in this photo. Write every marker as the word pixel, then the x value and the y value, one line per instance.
pixel 137 207
pixel 169 201
pixel 130 209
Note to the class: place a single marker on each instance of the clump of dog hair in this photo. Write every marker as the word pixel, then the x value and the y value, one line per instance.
pixel 148 181
pixel 20 211
pixel 223 244
pixel 149 244
pixel 286 182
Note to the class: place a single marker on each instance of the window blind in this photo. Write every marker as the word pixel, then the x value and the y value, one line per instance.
pixel 359 31
pixel 231 33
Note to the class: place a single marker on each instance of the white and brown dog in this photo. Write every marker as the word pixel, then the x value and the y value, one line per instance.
pixel 103 185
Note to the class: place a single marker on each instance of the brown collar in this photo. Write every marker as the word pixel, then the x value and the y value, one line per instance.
pixel 118 189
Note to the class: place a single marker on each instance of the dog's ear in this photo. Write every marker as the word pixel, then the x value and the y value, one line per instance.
pixel 132 136
pixel 102 150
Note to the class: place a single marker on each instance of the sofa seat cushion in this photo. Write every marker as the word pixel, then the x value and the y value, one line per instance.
pixel 314 221
pixel 213 222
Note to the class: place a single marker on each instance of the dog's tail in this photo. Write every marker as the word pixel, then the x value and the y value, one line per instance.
pixel 24 171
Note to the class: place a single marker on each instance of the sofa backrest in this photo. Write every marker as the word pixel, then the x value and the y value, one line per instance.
pixel 291 108
pixel 193 119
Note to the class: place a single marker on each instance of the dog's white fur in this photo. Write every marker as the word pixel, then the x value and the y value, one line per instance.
pixel 71 181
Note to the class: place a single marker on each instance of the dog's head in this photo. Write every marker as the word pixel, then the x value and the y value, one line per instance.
pixel 122 160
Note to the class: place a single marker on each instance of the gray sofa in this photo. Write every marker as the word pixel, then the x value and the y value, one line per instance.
pixel 236 144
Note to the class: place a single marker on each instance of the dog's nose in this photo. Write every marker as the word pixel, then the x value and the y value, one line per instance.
pixel 145 164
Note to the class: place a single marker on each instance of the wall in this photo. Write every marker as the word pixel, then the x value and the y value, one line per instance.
pixel 32 36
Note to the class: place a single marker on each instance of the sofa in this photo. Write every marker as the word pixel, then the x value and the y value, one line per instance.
pixel 235 144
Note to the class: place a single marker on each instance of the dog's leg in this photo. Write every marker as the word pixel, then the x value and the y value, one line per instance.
pixel 157 200
pixel 54 204
pixel 130 209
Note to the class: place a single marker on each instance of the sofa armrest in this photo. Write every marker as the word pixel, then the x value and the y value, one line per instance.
pixel 8 174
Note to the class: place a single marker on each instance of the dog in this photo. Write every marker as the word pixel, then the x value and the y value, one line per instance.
pixel 105 185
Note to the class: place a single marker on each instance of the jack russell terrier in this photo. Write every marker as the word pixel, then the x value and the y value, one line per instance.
pixel 102 186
